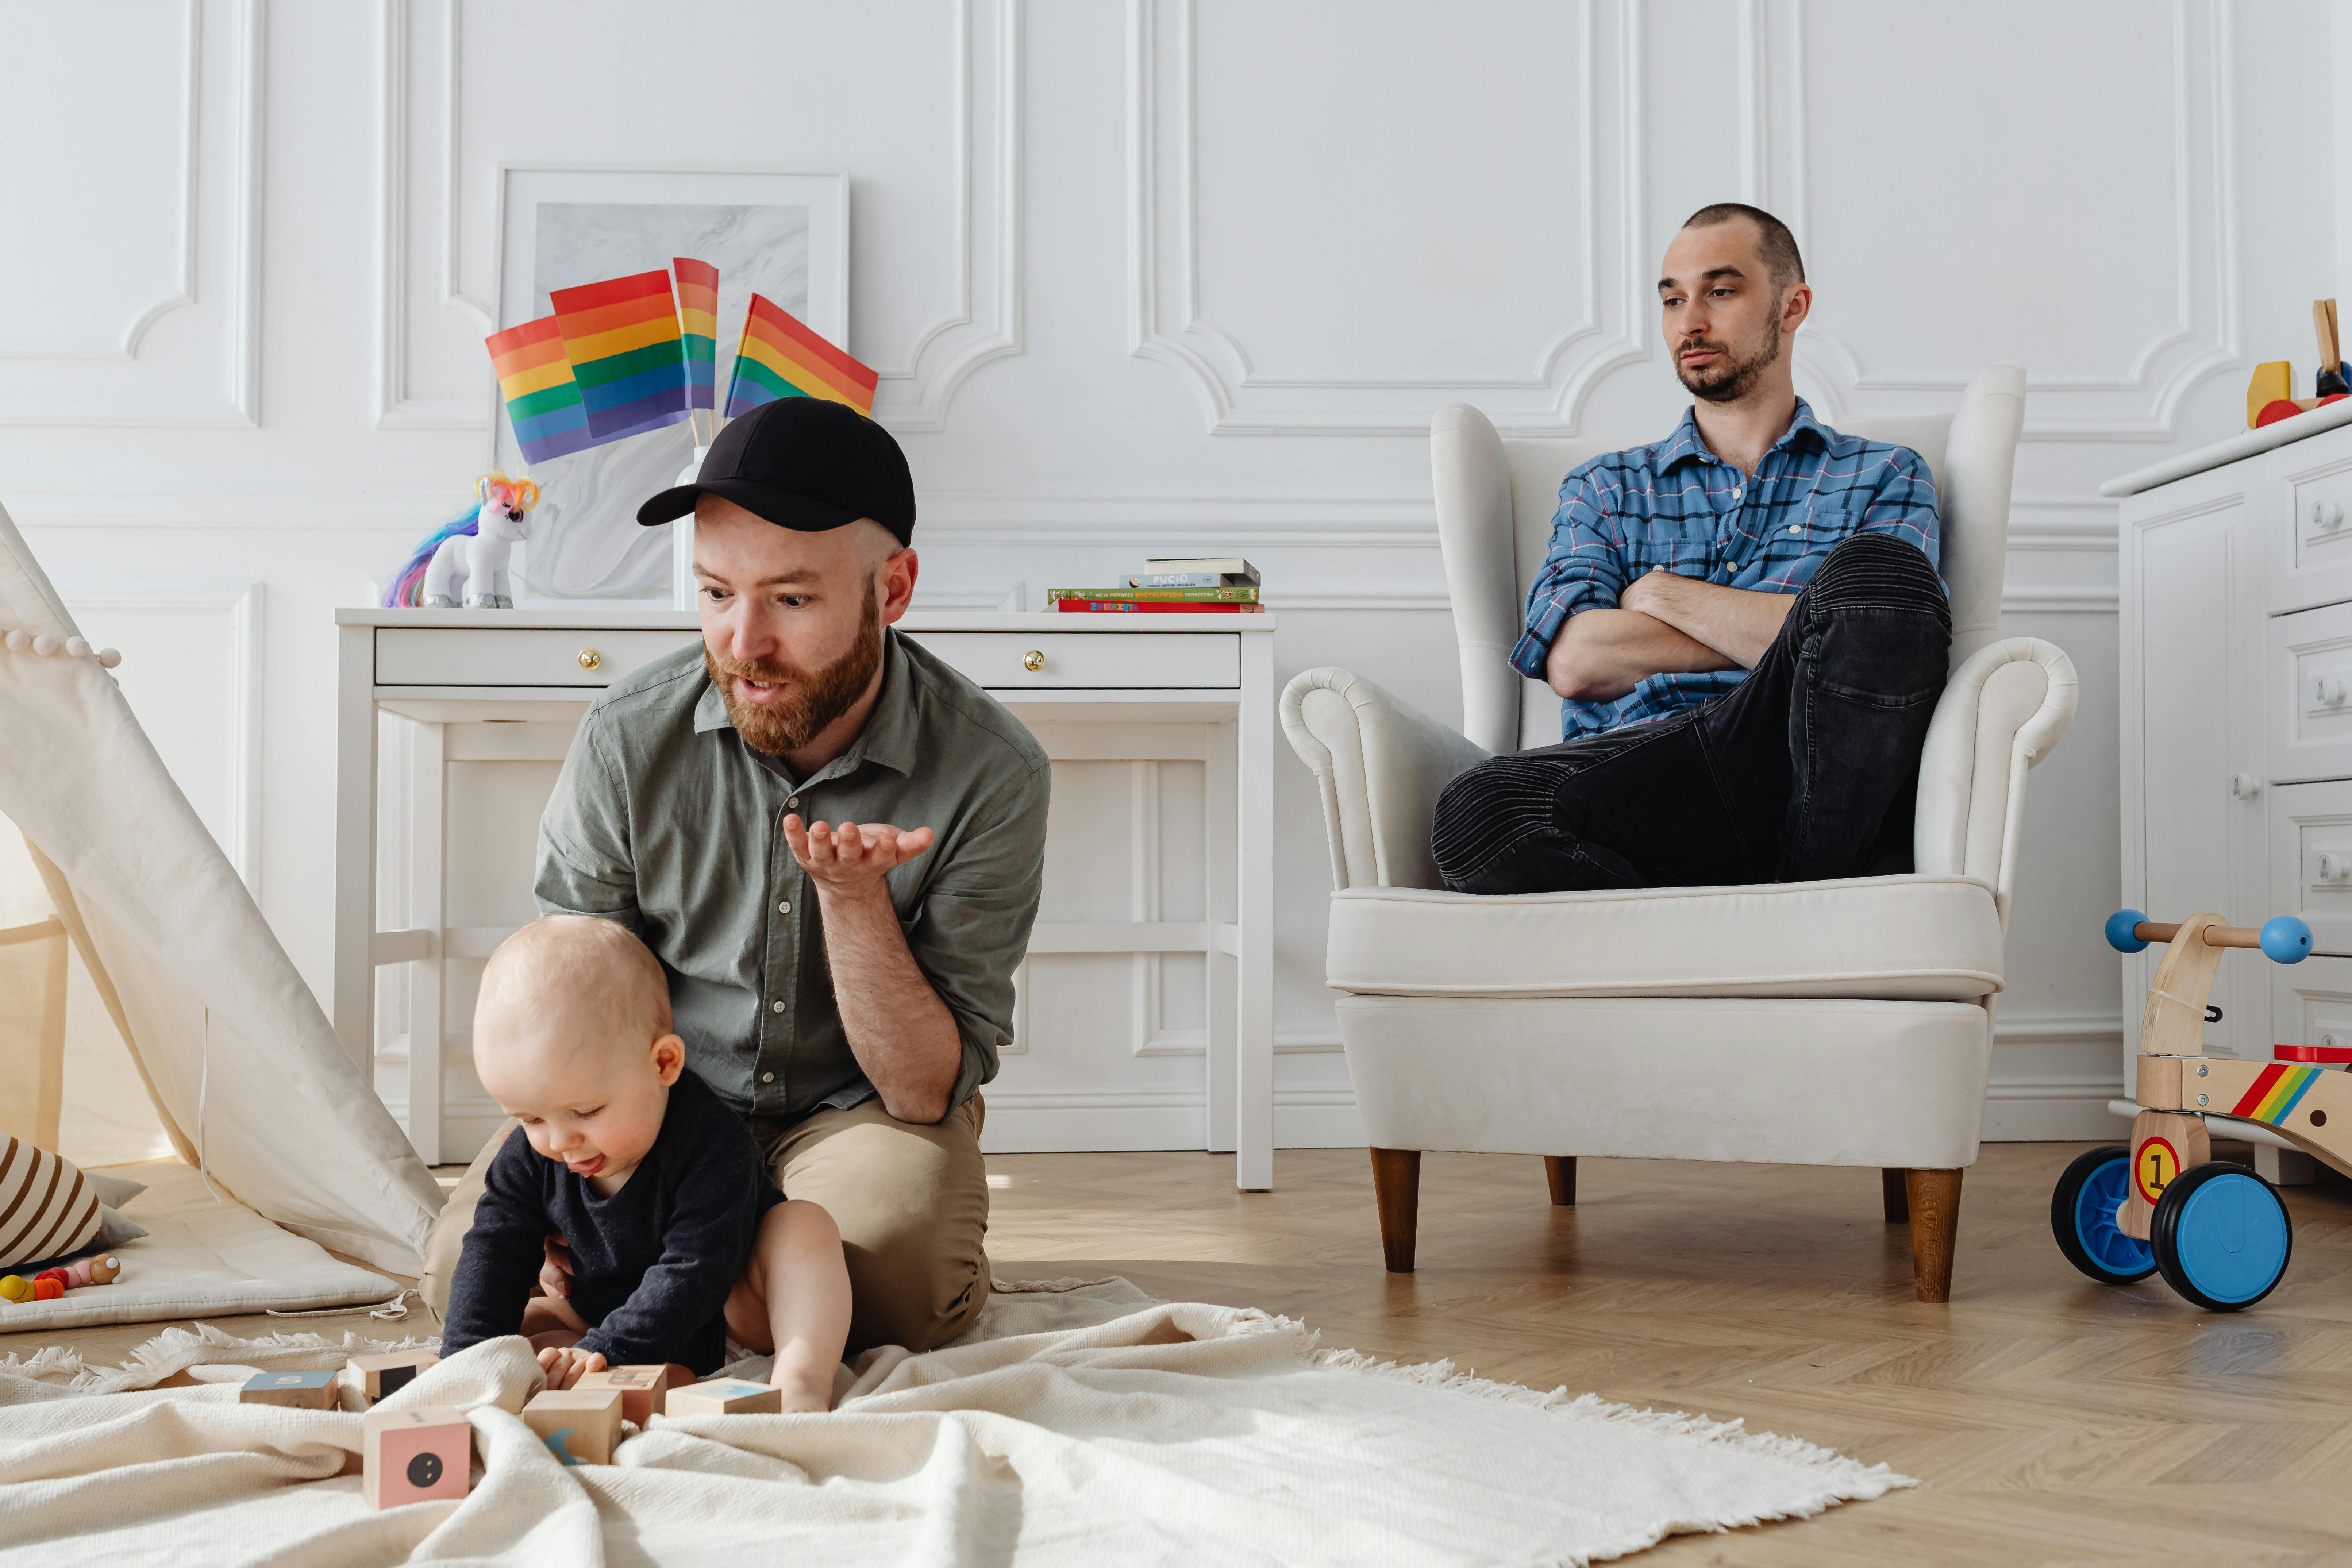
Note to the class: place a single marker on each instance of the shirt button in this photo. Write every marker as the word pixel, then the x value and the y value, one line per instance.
pixel 766 1077
pixel 776 1006
pixel 1796 528
pixel 1738 491
pixel 785 908
pixel 793 803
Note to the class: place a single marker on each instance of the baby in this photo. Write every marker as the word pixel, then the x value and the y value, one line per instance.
pixel 678 1240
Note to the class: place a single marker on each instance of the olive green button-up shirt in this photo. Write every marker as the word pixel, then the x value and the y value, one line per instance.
pixel 665 820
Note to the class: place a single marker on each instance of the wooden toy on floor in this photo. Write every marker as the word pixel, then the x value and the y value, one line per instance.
pixel 298 1390
pixel 726 1396
pixel 645 1390
pixel 51 1283
pixel 579 1425
pixel 423 1454
pixel 391 1373
pixel 2218 1232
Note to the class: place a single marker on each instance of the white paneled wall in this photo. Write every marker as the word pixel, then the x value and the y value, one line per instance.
pixel 242 299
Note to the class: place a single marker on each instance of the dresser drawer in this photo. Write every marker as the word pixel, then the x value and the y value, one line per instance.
pixel 1001 661
pixel 2310 861
pixel 2311 1005
pixel 2310 483
pixel 483 656
pixel 2308 695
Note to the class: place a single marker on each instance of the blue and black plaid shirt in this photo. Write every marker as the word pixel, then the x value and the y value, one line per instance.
pixel 1676 504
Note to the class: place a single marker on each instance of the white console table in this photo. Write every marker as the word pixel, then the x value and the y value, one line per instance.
pixel 491 685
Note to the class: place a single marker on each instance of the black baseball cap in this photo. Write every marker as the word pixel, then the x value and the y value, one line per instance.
pixel 807 463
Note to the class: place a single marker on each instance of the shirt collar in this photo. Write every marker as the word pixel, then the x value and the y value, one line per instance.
pixel 1686 442
pixel 890 735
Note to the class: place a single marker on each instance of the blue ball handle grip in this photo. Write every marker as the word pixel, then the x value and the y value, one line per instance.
pixel 2282 938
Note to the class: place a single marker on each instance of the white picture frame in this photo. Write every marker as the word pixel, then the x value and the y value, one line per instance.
pixel 782 233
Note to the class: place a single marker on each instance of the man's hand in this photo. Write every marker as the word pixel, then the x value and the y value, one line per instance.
pixel 555 1273
pixel 853 856
pixel 1739 624
pixel 567 1365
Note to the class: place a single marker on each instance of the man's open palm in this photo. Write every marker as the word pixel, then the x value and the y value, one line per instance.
pixel 854 855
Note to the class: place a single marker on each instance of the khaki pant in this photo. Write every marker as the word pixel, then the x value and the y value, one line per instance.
pixel 911 1202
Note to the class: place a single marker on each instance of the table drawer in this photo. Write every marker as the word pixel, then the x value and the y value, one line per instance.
pixel 1001 660
pixel 484 656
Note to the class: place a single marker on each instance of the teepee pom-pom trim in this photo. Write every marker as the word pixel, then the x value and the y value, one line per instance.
pixel 44 646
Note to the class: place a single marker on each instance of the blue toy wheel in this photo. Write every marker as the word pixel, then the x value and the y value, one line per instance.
pixel 2221 1237
pixel 2285 940
pixel 2119 931
pixel 2083 1217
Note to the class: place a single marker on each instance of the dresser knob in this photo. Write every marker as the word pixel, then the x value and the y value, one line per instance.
pixel 2327 515
pixel 591 660
pixel 2244 786
pixel 2327 690
pixel 2331 866
pixel 1033 660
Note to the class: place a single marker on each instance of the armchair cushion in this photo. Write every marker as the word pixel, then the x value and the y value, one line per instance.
pixel 1909 938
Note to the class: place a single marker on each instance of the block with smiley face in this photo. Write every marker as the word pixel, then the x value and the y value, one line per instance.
pixel 423 1454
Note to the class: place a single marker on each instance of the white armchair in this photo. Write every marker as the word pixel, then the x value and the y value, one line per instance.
pixel 1834 1023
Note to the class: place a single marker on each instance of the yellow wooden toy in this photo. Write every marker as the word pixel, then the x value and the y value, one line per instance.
pixel 2274 382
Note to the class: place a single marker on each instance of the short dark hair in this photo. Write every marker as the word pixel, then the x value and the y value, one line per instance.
pixel 1774 243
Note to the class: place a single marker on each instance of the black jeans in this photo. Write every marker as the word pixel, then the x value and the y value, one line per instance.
pixel 1805 770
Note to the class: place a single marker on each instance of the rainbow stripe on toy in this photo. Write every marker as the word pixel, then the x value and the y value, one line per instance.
pixel 780 356
pixel 542 399
pixel 2277 1090
pixel 698 321
pixel 622 338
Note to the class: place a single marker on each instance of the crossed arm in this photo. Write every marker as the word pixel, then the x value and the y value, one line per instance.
pixel 1663 625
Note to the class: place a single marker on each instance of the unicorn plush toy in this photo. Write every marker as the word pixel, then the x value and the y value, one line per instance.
pixel 470 568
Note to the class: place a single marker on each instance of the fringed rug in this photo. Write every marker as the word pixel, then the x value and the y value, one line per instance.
pixel 1083 1423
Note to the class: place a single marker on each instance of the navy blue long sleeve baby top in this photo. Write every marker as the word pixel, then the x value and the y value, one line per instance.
pixel 651 1266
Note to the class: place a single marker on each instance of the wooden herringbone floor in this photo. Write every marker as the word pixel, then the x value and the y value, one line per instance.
pixel 2052 1420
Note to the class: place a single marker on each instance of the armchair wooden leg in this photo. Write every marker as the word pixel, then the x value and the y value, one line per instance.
pixel 1933 1199
pixel 1396 1187
pixel 1560 1174
pixel 1898 1202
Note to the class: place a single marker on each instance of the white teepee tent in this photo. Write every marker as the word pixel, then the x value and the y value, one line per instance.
pixel 245 1070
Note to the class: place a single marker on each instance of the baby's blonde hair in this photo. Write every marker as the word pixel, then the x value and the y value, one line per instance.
pixel 593 971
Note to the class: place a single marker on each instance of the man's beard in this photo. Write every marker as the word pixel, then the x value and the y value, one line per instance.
pixel 811 700
pixel 1733 376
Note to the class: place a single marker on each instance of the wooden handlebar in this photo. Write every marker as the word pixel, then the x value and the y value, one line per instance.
pixel 2215 936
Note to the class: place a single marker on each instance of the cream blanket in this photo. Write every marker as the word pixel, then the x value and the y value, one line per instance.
pixel 1085 1424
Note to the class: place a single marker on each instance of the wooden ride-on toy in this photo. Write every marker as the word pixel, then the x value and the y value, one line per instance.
pixel 2218 1232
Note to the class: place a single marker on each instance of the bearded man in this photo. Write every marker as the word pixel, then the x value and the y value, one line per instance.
pixel 833 842
pixel 1745 622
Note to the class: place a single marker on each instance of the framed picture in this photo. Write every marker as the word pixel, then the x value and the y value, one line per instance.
pixel 785 235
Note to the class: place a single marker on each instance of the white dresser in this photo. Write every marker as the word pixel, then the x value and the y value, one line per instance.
pixel 2237 717
pixel 1154 1028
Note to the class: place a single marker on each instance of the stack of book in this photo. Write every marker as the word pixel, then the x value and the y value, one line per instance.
pixel 1185 584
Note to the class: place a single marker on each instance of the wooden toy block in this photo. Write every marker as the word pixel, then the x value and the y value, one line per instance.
pixel 423 1454
pixel 2274 382
pixel 579 1425
pixel 645 1390
pixel 389 1373
pixel 297 1390
pixel 726 1396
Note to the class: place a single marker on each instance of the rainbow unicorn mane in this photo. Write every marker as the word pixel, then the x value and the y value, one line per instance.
pixel 407 583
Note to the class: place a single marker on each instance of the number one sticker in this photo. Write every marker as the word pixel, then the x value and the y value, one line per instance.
pixel 2153 1164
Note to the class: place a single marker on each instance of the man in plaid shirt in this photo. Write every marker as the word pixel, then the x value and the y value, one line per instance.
pixel 1744 622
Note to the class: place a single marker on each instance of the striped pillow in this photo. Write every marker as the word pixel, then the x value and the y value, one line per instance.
pixel 46 1206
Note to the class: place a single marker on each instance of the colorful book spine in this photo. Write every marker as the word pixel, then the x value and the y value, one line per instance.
pixel 780 356
pixel 1186 579
pixel 698 326
pixel 535 384
pixel 622 338
pixel 1228 595
pixel 1151 606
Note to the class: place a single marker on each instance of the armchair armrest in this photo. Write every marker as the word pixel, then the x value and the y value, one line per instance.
pixel 1378 764
pixel 2004 709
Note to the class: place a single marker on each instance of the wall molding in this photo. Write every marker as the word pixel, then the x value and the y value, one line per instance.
pixel 394 409
pixel 1165 320
pixel 2144 402
pixel 241 601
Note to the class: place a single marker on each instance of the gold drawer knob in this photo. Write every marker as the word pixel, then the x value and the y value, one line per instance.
pixel 1033 660
pixel 591 660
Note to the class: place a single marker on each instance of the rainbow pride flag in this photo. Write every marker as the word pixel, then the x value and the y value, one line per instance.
pixel 698 321
pixel 781 357
pixel 622 338
pixel 542 399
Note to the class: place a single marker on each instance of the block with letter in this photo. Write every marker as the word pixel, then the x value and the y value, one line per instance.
pixel 579 1425
pixel 726 1396
pixel 297 1390
pixel 644 1389
pixel 423 1454
pixel 389 1373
